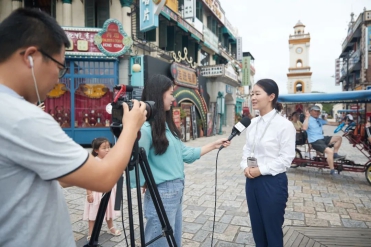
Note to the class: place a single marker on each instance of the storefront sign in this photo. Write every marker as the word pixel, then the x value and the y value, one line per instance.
pixel 82 40
pixel 215 8
pixel 147 18
pixel 337 72
pixel 112 39
pixel 173 5
pixel 211 39
pixel 175 17
pixel 212 71
pixel 228 89
pixel 239 49
pixel 176 116
pixel 184 76
pixel 189 9
pixel 245 71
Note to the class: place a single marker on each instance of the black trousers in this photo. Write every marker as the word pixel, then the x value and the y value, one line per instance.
pixel 266 199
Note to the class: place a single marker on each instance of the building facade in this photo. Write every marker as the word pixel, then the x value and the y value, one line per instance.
pixel 353 70
pixel 191 42
pixel 299 76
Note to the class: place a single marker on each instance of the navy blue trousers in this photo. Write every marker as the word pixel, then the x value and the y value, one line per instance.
pixel 266 199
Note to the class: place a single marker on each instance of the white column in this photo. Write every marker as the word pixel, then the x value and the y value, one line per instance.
pixel 67 14
pixel 16 4
pixel 124 63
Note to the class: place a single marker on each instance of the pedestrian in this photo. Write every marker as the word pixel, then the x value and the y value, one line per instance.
pixel 267 153
pixel 166 156
pixel 35 152
pixel 100 148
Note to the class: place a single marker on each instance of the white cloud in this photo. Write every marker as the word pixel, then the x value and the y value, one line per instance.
pixel 265 27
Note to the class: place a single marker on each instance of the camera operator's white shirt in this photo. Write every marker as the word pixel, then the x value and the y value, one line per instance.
pixel 34 152
pixel 276 150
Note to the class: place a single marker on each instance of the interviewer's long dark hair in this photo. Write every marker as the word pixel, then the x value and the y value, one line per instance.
pixel 154 90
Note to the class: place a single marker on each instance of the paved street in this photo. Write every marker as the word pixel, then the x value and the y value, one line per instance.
pixel 315 199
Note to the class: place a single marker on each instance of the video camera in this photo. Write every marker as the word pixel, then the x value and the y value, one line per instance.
pixel 124 94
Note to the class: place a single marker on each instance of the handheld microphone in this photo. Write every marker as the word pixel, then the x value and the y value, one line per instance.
pixel 238 129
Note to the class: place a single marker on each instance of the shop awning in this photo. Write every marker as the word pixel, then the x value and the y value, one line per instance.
pixel 360 96
pixel 225 30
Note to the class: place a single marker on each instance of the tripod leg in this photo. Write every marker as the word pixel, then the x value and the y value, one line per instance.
pixel 140 208
pixel 130 208
pixel 152 187
pixel 99 220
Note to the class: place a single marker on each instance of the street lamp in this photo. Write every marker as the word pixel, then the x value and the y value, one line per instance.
pixel 220 101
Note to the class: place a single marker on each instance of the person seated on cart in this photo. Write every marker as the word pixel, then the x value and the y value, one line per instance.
pixel 295 121
pixel 301 135
pixel 313 125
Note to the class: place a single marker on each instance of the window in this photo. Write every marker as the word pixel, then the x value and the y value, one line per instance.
pixel 46 6
pixel 299 87
pixel 96 12
pixel 299 64
pixel 199 13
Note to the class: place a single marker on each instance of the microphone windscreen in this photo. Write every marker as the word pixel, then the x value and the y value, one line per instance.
pixel 245 121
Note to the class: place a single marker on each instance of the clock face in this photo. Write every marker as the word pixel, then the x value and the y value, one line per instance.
pixel 299 50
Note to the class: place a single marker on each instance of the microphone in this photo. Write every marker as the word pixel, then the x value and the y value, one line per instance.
pixel 238 129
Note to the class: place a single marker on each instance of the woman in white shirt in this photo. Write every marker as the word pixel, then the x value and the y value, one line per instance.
pixel 268 152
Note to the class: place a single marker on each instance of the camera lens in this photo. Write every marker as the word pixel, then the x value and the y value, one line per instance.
pixel 150 107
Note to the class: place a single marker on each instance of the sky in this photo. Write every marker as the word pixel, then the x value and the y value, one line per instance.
pixel 265 26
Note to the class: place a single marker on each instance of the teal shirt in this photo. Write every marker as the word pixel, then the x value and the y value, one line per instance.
pixel 170 165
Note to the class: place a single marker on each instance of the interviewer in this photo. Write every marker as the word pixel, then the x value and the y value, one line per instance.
pixel 35 152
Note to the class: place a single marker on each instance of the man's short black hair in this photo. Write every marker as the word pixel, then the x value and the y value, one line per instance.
pixel 30 27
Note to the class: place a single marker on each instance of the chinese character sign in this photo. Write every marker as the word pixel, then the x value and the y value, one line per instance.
pixel 147 18
pixel 245 71
pixel 189 9
pixel 239 49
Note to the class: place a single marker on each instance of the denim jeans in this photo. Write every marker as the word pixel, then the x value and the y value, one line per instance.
pixel 171 193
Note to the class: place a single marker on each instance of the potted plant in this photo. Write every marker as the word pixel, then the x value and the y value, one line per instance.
pixel 200 125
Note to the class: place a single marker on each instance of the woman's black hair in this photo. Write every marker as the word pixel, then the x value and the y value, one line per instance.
pixel 270 86
pixel 154 90
pixel 96 144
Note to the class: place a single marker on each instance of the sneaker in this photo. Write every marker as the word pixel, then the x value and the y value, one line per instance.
pixel 333 172
pixel 337 156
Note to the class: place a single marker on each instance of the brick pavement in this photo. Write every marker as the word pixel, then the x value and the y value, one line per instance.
pixel 315 199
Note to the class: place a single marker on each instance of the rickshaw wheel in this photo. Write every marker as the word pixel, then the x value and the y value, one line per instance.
pixel 368 173
pixel 297 155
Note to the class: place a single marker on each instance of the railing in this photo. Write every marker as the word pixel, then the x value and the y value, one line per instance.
pixel 299 36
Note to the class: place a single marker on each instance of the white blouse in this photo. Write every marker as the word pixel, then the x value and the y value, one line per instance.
pixel 276 150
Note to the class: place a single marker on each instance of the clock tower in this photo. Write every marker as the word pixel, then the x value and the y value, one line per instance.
pixel 299 78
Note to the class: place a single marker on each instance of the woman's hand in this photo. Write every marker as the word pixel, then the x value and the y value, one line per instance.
pixel 220 142
pixel 252 172
pixel 90 198
pixel 255 172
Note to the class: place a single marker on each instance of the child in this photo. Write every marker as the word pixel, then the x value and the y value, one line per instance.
pixel 101 147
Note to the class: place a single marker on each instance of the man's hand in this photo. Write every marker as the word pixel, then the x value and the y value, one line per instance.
pixel 247 172
pixel 307 114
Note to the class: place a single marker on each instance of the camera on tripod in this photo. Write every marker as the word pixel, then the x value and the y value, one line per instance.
pixel 124 94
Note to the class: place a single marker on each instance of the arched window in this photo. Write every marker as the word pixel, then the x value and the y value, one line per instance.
pixel 299 87
pixel 299 64
pixel 46 6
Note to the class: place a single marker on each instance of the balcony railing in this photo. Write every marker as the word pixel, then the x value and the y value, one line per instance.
pixel 299 36
pixel 222 71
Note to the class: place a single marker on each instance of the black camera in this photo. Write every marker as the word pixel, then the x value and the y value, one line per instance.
pixel 124 94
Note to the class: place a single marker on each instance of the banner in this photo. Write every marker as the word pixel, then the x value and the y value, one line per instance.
pixel 239 49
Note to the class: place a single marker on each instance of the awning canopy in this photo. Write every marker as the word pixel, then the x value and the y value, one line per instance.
pixel 350 110
pixel 361 96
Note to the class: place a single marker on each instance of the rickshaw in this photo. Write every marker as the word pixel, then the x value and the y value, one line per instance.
pixel 306 156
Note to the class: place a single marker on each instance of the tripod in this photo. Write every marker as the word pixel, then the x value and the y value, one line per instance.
pixel 138 157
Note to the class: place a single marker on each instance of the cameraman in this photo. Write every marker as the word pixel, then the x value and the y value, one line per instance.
pixel 35 152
